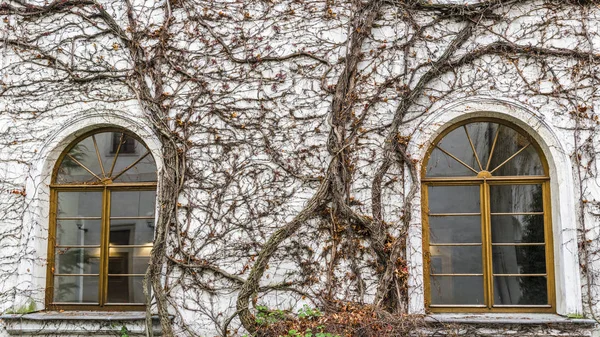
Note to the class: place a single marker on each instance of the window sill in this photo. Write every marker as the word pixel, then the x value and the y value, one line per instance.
pixel 520 318
pixel 513 324
pixel 88 323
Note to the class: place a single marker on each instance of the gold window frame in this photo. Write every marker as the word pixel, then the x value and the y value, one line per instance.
pixel 106 186
pixel 484 181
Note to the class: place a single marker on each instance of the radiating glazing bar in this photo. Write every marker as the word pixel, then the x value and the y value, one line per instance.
pixel 458 160
pixel 473 148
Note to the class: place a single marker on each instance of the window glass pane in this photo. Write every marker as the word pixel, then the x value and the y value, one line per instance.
pixel 132 204
pixel 79 204
pixel 509 143
pixel 519 259
pixel 144 170
pixel 108 143
pixel 456 290
pixel 520 290
pixel 454 199
pixel 128 260
pixel 132 232
pixel 76 289
pixel 455 259
pixel 134 163
pixel 77 232
pixel 516 198
pixel 70 171
pixel 482 135
pixel 455 229
pixel 518 228
pixel 457 144
pixel 123 143
pixel 442 165
pixel 126 289
pixel 525 163
pixel 77 260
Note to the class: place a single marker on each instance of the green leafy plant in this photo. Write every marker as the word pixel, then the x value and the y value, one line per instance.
pixel 307 312
pixel 265 316
pixel 124 331
pixel 575 316
pixel 24 309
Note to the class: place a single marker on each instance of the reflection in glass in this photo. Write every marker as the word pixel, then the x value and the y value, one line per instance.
pixel 455 259
pixel 122 143
pixel 455 229
pixel 72 168
pixel 519 259
pixel 482 135
pixel 454 199
pixel 455 144
pixel 136 168
pixel 131 232
pixel 442 165
pixel 516 198
pixel 518 228
pixel 76 289
pixel 76 260
pixel 132 204
pixel 510 142
pixel 79 204
pixel 128 260
pixel 126 289
pixel 520 290
pixel 526 163
pixel 456 290
pixel 116 145
pixel 77 232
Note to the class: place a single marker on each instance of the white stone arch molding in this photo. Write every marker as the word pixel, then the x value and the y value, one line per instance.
pixel 562 189
pixel 33 274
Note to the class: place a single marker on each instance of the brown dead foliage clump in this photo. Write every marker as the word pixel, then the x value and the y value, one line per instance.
pixel 348 319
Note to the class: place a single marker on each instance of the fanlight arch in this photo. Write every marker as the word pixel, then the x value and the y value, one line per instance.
pixel 484 148
pixel 106 156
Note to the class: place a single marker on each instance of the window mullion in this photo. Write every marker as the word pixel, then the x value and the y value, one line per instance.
pixel 104 243
pixel 487 243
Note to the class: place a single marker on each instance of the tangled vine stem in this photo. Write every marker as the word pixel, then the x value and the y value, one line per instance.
pixel 285 130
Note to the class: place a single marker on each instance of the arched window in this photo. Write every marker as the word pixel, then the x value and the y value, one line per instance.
pixel 102 206
pixel 486 221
